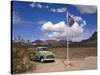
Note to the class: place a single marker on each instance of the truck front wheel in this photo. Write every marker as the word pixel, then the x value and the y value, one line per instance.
pixel 41 59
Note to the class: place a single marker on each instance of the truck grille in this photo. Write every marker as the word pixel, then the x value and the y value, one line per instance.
pixel 50 56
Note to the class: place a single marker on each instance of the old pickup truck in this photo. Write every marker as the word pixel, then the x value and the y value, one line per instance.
pixel 43 54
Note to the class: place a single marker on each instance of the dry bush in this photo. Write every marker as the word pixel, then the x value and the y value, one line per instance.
pixel 21 59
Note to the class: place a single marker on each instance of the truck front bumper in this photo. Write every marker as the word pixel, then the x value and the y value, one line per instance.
pixel 50 59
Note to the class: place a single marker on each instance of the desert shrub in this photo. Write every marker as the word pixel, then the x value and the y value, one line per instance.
pixel 21 60
pixel 20 57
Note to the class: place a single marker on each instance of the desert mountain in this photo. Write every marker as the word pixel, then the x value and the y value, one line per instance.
pixel 91 42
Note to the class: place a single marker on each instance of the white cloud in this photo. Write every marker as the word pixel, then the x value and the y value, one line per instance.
pixel 39 5
pixel 36 5
pixel 86 9
pixel 54 34
pixel 83 23
pixel 60 30
pixel 77 18
pixel 59 10
pixel 32 4
pixel 53 10
pixel 50 27
pixel 73 32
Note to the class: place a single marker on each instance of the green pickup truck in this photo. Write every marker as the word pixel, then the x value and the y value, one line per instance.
pixel 43 54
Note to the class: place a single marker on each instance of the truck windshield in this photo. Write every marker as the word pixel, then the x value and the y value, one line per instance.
pixel 44 49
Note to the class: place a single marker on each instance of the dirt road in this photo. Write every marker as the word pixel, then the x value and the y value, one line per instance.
pixel 59 65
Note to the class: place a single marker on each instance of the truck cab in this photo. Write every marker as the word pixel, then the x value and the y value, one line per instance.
pixel 43 54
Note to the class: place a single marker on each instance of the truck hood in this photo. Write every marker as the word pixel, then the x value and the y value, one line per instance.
pixel 46 53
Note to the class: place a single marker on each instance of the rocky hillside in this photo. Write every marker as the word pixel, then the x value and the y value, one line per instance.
pixel 91 42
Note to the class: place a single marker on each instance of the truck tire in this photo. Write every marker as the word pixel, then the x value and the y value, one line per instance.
pixel 41 59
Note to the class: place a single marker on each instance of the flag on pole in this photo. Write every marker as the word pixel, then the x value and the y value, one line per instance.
pixel 70 20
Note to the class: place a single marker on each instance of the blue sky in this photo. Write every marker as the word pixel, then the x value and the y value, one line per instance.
pixel 29 17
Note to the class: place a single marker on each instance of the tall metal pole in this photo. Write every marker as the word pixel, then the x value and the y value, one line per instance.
pixel 67 52
pixel 68 62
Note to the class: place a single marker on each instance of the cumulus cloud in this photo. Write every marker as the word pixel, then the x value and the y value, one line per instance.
pixel 86 9
pixel 60 31
pixel 50 27
pixel 77 18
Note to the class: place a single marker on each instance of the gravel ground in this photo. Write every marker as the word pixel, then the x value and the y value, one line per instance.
pixel 59 65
